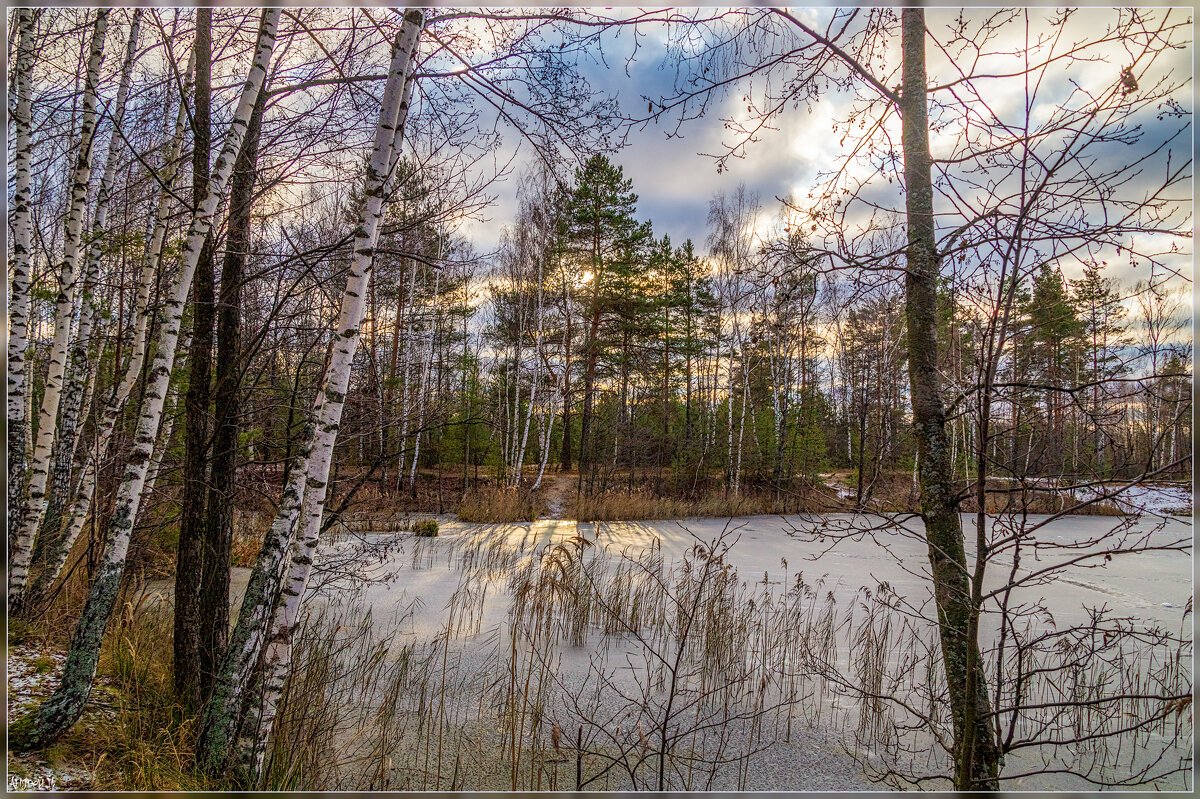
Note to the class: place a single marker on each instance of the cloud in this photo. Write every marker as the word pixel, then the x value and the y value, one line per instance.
pixel 675 179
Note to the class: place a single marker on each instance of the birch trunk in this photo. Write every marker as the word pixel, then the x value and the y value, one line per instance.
pixel 165 428
pixel 39 469
pixel 513 421
pixel 65 706
pixel 60 549
pixel 167 418
pixel 412 306
pixel 545 444
pixel 534 377
pixel 221 716
pixel 19 268
pixel 276 659
pixel 78 383
pixel 425 371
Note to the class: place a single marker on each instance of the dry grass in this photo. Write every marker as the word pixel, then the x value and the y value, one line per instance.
pixel 1005 498
pixel 133 735
pixel 494 505
pixel 145 741
pixel 613 506
pixel 250 527
pixel 723 666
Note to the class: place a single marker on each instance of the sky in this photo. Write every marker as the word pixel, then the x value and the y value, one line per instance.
pixel 671 173
pixel 675 181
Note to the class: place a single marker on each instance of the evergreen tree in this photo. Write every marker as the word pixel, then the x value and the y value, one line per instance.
pixel 605 241
pixel 1051 360
pixel 1104 335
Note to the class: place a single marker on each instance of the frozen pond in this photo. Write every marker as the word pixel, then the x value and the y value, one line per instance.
pixel 462 580
pixel 1151 585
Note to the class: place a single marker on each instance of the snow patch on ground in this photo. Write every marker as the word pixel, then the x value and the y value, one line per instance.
pixel 1163 499
pixel 33 674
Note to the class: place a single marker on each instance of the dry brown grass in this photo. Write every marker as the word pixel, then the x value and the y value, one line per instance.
pixel 613 506
pixel 133 736
pixel 250 527
pixel 144 742
pixel 1002 498
pixel 494 505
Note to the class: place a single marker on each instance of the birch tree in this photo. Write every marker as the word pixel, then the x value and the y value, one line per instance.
pixel 385 154
pixel 19 265
pixel 59 548
pixel 34 506
pixel 57 714
pixel 82 369
pixel 305 496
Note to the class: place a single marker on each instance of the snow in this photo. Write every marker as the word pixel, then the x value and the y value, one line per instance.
pixel 842 551
pixel 32 676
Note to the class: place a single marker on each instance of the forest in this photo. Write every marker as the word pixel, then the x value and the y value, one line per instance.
pixel 302 300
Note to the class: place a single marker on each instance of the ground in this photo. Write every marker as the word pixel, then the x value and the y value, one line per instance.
pixel 33 673
pixel 555 488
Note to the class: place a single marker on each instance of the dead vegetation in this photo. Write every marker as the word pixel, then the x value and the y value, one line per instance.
pixel 689 671
pixel 493 504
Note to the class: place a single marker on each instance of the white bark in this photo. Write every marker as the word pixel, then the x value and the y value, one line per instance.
pixel 39 469
pixel 535 376
pixel 424 386
pixel 385 152
pixel 404 392
pixel 80 370
pixel 82 502
pixel 58 713
pixel 18 267
pixel 130 494
pixel 166 423
pixel 545 443
pixel 222 716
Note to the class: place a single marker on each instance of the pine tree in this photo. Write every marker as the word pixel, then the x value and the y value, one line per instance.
pixel 1103 329
pixel 603 239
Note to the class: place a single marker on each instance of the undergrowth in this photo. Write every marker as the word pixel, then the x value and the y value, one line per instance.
pixel 495 505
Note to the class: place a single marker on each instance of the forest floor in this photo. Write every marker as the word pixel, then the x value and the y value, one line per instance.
pixel 33 673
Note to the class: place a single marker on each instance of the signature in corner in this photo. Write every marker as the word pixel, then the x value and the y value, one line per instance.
pixel 39 782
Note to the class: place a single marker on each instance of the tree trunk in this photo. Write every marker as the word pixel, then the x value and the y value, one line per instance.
pixel 34 506
pixel 218 541
pixel 535 376
pixel 82 367
pixel 426 368
pixel 57 552
pixel 405 391
pixel 189 563
pixel 223 719
pixel 566 392
pixel 591 356
pixel 19 267
pixel 976 756
pixel 55 716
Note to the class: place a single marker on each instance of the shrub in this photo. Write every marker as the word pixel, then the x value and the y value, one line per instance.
pixel 425 528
